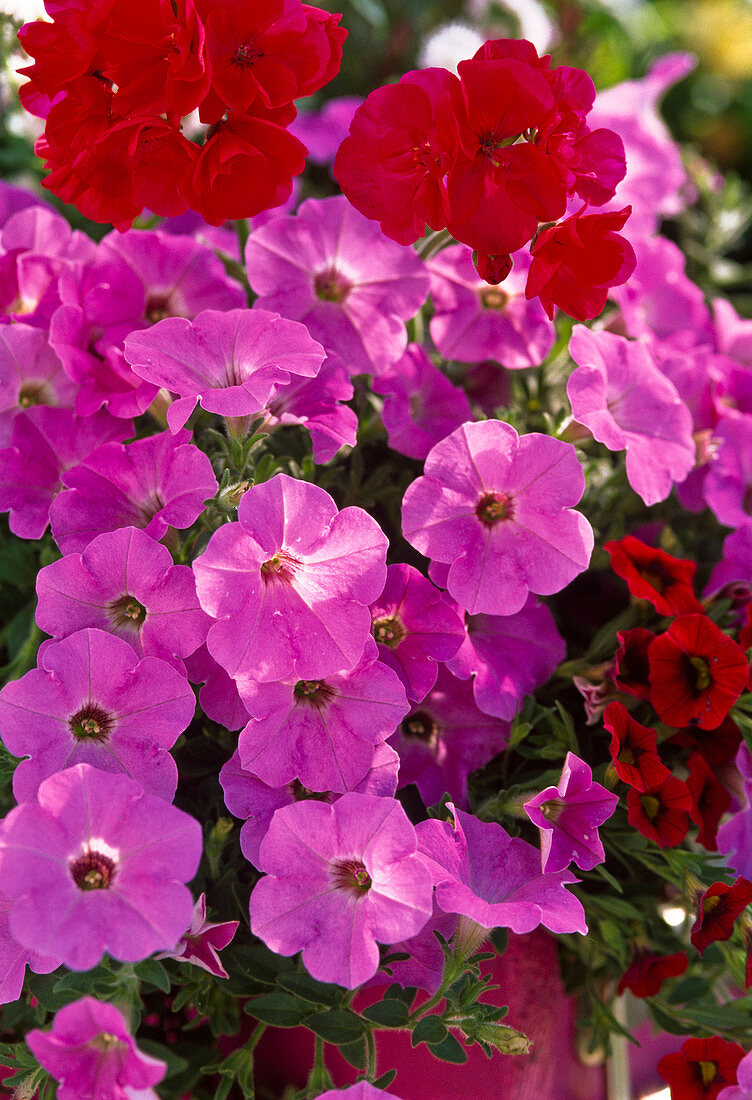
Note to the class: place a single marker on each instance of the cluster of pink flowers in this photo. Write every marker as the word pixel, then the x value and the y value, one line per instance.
pixel 350 667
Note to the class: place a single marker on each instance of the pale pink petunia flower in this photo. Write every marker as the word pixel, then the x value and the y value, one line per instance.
pixel 201 943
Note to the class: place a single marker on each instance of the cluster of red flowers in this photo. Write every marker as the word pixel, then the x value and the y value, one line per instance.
pixel 114 79
pixel 491 155
pixel 691 675
pixel 701 1069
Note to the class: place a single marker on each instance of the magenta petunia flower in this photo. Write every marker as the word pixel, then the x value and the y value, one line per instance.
pixel 363 1090
pixel 180 275
pixel 102 301
pixel 45 443
pixel 229 362
pixel 14 958
pixel 421 406
pixel 444 738
pixel 474 321
pixel 201 943
pixel 124 582
pixel 154 483
pixel 255 802
pixel 415 626
pixel 728 484
pixel 619 393
pixel 93 701
pixel 508 656
pixel 498 507
pixel 335 271
pixel 339 880
pixel 30 374
pixel 218 696
pixel 321 732
pixel 317 404
pixel 290 583
pixel 97 865
pixel 734 837
pixel 91 1054
pixel 495 880
pixel 568 817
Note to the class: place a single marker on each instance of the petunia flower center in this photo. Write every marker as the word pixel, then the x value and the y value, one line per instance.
pixel 708 1071
pixel 351 874
pixel 93 870
pixel 90 723
pixel 331 285
pixel 315 693
pixel 553 810
pixel 699 673
pixel 388 632
pixel 493 297
pixel 650 805
pixel 422 727
pixel 280 568
pixel 127 612
pixel 303 794
pixel 106 1041
pixel 492 508
pixel 33 393
pixel 157 307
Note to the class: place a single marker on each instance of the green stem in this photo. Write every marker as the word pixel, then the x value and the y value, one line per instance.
pixel 252 1043
pixel 242 230
pixel 433 243
pixel 371 1049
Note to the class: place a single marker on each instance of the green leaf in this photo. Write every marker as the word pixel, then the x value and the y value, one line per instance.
pixel 336 1025
pixel 449 1050
pixel 429 1030
pixel 691 989
pixel 303 985
pixel 278 1009
pixel 152 971
pixel 355 1052
pixel 387 1013
pixel 397 993
pixel 385 1080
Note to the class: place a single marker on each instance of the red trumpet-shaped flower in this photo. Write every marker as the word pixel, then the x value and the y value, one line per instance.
pixel 717 911
pixel 661 813
pixel 701 1068
pixel 696 673
pixel 653 575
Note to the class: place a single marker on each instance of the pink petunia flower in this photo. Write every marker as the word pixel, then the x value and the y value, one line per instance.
pixel 494 880
pixel 93 701
pixel 154 483
pixel 255 802
pixel 421 405
pixel 202 941
pixel 317 404
pixel 290 583
pixel 339 879
pixel 124 582
pixel 229 362
pixel 30 374
pixel 474 321
pixel 568 817
pixel 321 732
pixel 619 393
pixel 444 738
pixel 45 443
pixel 334 270
pixel 415 627
pixel 91 1053
pixel 508 656
pixel 14 958
pixel 498 507
pixel 97 865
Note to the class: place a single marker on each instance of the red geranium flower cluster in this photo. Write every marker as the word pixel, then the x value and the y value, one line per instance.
pixel 114 78
pixel 491 155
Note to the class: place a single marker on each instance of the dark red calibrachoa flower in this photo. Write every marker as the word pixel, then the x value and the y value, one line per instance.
pixel 717 911
pixel 647 972
pixel 651 574
pixel 717 746
pixel 632 668
pixel 710 797
pixel 701 1068
pixel 576 262
pixel 697 673
pixel 661 813
pixel 633 749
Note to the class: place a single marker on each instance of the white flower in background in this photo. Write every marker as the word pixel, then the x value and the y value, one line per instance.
pixel 527 15
pixel 23 11
pixel 448 45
